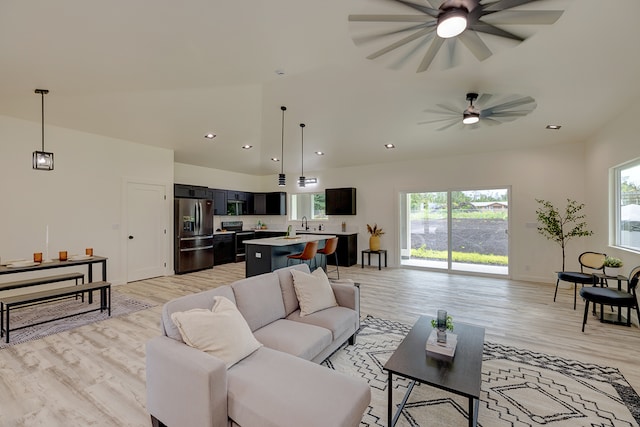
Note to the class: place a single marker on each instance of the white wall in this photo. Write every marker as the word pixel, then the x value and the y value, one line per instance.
pixel 80 200
pixel 615 144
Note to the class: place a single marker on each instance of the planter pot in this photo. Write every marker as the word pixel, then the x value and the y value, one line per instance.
pixel 374 243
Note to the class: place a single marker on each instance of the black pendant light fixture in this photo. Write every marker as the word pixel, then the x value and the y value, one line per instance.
pixel 281 176
pixel 42 160
pixel 302 180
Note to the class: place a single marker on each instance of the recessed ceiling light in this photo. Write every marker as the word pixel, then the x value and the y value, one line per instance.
pixel 320 153
pixel 553 127
pixel 246 147
pixel 389 146
pixel 210 135
pixel 275 159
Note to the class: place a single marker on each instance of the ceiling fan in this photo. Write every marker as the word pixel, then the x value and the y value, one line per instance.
pixel 435 22
pixel 480 111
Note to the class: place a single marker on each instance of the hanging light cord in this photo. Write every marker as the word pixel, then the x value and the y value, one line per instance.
pixel 302 151
pixel 282 142
pixel 42 94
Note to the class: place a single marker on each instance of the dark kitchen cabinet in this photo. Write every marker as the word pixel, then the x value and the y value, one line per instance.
pixel 183 191
pixel 238 202
pixel 219 201
pixel 347 250
pixel 277 203
pixel 224 250
pixel 340 201
pixel 274 203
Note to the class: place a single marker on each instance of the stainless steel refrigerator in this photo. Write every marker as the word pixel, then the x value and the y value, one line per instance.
pixel 194 235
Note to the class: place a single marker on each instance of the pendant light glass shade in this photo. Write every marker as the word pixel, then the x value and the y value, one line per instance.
pixel 281 177
pixel 302 181
pixel 42 160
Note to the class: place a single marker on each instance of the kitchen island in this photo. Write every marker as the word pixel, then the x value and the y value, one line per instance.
pixel 268 254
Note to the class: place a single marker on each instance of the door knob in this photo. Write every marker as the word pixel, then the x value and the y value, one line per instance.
pixel 130 237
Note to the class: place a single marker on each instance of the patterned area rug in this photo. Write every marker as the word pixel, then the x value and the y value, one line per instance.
pixel 120 305
pixel 519 387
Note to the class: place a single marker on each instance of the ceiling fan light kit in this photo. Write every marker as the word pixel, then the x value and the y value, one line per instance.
pixel 470 117
pixel 452 22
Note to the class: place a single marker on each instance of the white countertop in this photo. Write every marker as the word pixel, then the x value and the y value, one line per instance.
pixel 286 241
pixel 323 233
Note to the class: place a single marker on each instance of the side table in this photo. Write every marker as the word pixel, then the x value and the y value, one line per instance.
pixel 379 252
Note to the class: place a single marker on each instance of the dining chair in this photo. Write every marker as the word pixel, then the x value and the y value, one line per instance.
pixel 613 297
pixel 591 260
pixel 330 248
pixel 308 254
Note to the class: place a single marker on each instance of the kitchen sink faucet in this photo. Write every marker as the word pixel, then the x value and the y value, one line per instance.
pixel 305 224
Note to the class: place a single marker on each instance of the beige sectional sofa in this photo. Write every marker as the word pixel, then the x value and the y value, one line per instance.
pixel 277 385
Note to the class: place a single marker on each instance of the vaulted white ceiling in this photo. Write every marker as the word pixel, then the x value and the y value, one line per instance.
pixel 164 73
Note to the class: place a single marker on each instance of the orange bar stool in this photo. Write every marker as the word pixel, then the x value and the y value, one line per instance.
pixel 330 247
pixel 308 254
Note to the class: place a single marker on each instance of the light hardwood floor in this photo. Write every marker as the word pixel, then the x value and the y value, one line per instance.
pixel 95 375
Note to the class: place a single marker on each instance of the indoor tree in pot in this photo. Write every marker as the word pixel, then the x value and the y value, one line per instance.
pixel 561 228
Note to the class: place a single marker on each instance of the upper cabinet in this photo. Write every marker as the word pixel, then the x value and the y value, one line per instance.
pixel 191 191
pixel 274 203
pixel 340 201
pixel 219 201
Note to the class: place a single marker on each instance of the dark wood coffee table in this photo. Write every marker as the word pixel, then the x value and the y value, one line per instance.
pixel 462 375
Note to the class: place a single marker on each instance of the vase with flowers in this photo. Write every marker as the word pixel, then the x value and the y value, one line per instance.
pixel 374 239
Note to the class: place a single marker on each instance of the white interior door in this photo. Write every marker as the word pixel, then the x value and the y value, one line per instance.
pixel 146 231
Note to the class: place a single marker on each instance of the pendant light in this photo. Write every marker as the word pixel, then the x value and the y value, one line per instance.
pixel 42 160
pixel 302 181
pixel 281 176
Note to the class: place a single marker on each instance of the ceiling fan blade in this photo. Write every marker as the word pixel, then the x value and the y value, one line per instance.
pixel 489 122
pixel 426 10
pixel 453 123
pixel 507 114
pixel 483 100
pixel 449 108
pixel 523 17
pixel 506 4
pixel 431 54
pixel 401 42
pixel 512 104
pixel 483 27
pixel 428 122
pixel 390 18
pixel 473 42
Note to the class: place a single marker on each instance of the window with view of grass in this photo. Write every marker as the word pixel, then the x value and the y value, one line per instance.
pixel 309 205
pixel 627 206
pixel 464 230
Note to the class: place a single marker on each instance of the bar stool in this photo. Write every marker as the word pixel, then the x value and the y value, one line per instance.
pixel 308 254
pixel 330 247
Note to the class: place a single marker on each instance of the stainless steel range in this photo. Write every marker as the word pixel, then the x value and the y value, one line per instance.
pixel 240 236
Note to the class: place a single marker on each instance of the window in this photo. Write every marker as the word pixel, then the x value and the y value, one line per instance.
pixel 627 212
pixel 310 205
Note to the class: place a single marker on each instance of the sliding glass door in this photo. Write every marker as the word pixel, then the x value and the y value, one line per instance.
pixel 463 230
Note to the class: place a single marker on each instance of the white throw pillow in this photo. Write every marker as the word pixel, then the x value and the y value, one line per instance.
pixel 313 291
pixel 221 331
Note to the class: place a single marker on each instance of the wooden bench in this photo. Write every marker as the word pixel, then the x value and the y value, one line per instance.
pixel 7 303
pixel 41 281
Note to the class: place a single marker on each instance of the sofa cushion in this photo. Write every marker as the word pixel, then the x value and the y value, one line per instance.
pixel 296 338
pixel 337 319
pixel 221 331
pixel 259 299
pixel 274 389
pixel 200 300
pixel 313 291
pixel 286 285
